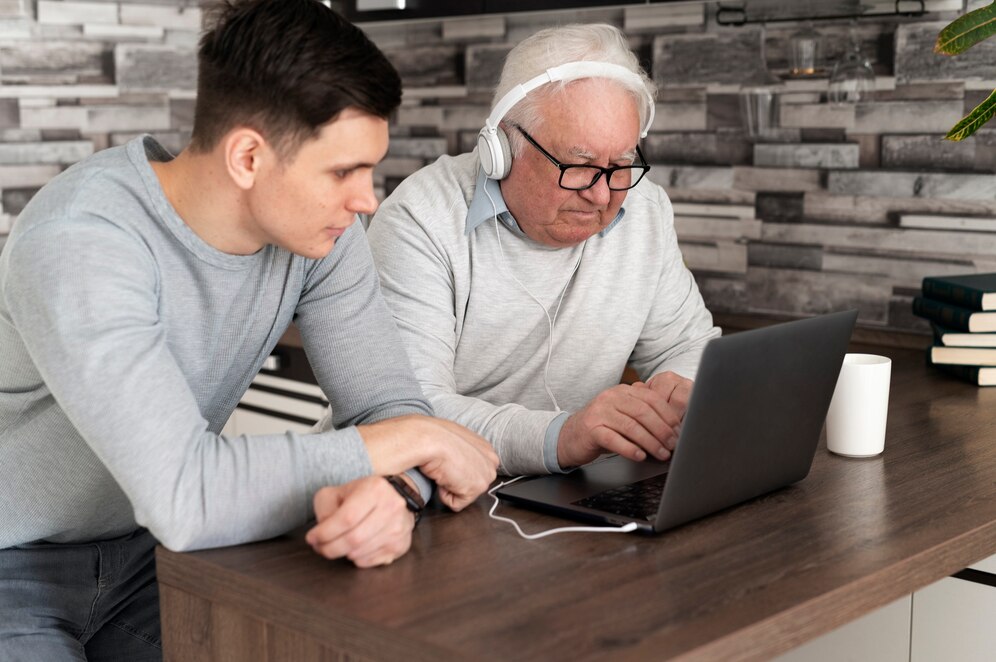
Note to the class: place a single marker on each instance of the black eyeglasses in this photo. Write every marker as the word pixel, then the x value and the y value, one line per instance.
pixel 582 177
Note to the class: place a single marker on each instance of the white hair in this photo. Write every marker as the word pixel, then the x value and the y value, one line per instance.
pixel 555 46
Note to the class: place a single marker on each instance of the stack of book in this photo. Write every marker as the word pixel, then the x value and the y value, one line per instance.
pixel 962 312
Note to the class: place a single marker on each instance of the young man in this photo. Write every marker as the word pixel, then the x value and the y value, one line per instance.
pixel 140 294
pixel 524 276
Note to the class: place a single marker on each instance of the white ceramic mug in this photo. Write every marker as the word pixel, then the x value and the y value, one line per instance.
pixel 860 406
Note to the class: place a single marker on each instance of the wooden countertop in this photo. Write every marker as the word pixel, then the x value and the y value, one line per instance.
pixel 744 584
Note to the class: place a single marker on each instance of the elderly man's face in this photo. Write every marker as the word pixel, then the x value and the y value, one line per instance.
pixel 594 121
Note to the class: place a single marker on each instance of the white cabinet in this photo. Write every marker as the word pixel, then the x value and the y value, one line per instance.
pixel 955 619
pixel 273 405
pixel 881 636
pixel 952 619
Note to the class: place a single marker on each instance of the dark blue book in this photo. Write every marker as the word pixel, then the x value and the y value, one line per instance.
pixel 954 317
pixel 972 291
pixel 970 373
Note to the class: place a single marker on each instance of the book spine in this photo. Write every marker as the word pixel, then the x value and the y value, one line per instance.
pixel 960 295
pixel 950 316
pixel 969 373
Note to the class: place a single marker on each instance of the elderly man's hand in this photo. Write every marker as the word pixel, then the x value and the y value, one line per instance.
pixel 634 421
pixel 676 389
pixel 365 520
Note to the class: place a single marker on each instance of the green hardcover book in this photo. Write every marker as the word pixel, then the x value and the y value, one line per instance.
pixel 973 291
pixel 954 317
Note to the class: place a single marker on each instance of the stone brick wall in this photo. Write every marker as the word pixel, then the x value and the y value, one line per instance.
pixel 848 205
pixel 76 77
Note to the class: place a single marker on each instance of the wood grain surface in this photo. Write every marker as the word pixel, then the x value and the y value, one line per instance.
pixel 743 584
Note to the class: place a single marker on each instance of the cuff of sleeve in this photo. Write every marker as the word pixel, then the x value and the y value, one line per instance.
pixel 550 443
pixel 335 458
pixel 423 484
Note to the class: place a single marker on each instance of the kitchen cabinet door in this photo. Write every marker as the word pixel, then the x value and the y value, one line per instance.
pixel 882 636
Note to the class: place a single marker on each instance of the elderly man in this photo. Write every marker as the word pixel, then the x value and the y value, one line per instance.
pixel 524 276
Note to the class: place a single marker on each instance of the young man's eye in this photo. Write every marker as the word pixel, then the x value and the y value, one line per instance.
pixel 341 174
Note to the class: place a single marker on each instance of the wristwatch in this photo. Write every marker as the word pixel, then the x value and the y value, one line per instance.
pixel 413 500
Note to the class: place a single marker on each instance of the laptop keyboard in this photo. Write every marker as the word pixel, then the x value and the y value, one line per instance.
pixel 638 500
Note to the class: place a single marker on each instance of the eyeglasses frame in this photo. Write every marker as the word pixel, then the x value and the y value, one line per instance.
pixel 608 172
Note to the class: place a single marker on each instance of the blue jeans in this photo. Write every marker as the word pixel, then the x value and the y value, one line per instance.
pixel 86 601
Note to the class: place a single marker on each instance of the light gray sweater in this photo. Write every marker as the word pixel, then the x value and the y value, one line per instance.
pixel 479 342
pixel 126 342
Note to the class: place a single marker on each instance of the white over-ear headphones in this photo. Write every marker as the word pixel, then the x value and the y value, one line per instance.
pixel 492 143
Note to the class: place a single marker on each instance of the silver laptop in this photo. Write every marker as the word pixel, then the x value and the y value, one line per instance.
pixel 752 426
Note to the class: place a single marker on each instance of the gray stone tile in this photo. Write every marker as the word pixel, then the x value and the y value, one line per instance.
pixel 731 57
pixel 13 8
pixel 697 148
pixel 799 292
pixel 14 200
pixel 719 257
pixel 927 152
pixel 907 116
pixel 691 177
pixel 37 59
pixel 483 64
pixel 784 256
pixel 916 60
pixel 10 114
pixel 26 176
pixel 912 184
pixel 426 65
pixel 880 210
pixel 816 115
pixel 723 111
pixel 128 118
pixel 924 242
pixel 899 270
pixel 422 148
pixel 774 207
pixel 835 155
pixel 142 68
pixel 469 29
pixel 55 117
pixel 680 117
pixel 776 179
pixel 181 16
pixel 76 13
pixel 941 91
pixel 722 294
pixel 44 153
pixel 699 228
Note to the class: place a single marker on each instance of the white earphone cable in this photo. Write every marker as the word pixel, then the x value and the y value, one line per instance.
pixel 625 528
pixel 551 321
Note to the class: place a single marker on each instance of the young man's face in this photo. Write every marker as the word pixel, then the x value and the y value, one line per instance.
pixel 305 201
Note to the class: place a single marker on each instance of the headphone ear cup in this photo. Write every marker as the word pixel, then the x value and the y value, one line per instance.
pixel 495 153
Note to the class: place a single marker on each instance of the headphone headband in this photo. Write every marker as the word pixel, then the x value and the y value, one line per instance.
pixel 567 72
pixel 492 143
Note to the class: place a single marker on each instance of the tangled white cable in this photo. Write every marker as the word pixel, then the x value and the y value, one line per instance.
pixel 625 528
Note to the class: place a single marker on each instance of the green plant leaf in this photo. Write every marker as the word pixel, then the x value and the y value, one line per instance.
pixel 965 32
pixel 974 120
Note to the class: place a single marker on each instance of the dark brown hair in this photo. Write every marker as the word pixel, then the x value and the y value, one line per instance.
pixel 285 68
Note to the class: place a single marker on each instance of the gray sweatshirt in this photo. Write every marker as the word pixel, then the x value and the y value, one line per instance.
pixel 478 340
pixel 126 342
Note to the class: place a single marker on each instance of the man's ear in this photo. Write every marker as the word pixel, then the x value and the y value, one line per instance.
pixel 246 153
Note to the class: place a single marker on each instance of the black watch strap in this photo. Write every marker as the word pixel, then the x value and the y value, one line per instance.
pixel 413 500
